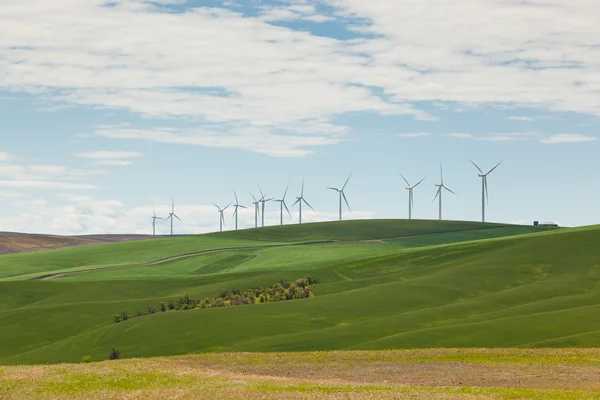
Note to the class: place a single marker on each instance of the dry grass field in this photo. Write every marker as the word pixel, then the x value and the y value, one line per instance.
pixel 11 242
pixel 404 374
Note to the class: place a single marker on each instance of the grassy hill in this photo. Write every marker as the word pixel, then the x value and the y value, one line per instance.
pixel 383 285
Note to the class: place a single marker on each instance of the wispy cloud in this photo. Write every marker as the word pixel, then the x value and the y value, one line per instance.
pixel 258 140
pixel 529 118
pixel 568 138
pixel 4 156
pixel 494 137
pixel 414 135
pixel 111 158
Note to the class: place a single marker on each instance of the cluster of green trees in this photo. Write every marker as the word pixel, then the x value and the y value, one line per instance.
pixel 283 290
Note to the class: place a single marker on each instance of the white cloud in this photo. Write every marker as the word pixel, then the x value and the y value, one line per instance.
pixel 494 137
pixel 568 138
pixel 414 135
pixel 111 158
pixel 28 184
pixel 260 140
pixel 110 155
pixel 6 156
pixel 529 118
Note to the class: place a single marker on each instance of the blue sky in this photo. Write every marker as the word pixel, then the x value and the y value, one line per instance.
pixel 109 107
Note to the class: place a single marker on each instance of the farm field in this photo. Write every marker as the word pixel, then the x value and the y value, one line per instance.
pixel 382 285
pixel 410 374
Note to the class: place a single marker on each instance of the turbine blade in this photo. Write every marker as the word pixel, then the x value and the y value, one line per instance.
pixel 497 165
pixel 437 193
pixel 349 176
pixel 419 182
pixel 302 192
pixel 253 197
pixel 217 206
pixel 259 189
pixel 330 188
pixel 227 206
pixel 177 217
pixel 450 191
pixel 441 172
pixel 477 167
pixel 296 202
pixel 306 202
pixel 242 206
pixel 286 190
pixel 287 209
pixel 405 180
pixel 235 194
pixel 346 200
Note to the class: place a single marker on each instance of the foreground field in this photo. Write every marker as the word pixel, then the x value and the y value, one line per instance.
pixel 382 285
pixel 422 374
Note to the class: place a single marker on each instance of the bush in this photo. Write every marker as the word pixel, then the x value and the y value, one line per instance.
pixel 113 354
pixel 283 290
pixel 86 359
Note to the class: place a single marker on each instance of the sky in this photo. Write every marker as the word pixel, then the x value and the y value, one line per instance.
pixel 110 107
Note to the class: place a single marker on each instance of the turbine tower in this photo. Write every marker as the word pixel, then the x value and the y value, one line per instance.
pixel 440 187
pixel 154 218
pixel 235 212
pixel 484 188
pixel 411 203
pixel 263 201
pixel 256 210
pixel 299 202
pixel 221 218
pixel 283 204
pixel 172 215
pixel 342 194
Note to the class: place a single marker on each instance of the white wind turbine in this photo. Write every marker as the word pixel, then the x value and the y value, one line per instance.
pixel 172 215
pixel 154 218
pixel 221 218
pixel 283 204
pixel 299 202
pixel 263 201
pixel 235 212
pixel 484 188
pixel 342 194
pixel 440 187
pixel 256 210
pixel 411 203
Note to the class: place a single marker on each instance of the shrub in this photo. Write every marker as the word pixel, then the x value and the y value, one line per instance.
pixel 86 359
pixel 117 318
pixel 162 307
pixel 113 354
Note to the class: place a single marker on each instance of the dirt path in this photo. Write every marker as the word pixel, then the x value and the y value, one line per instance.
pixel 199 253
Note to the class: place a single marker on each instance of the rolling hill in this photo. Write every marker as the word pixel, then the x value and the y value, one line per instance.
pixel 383 285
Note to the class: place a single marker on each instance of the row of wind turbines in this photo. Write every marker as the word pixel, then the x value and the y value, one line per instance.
pixel 259 203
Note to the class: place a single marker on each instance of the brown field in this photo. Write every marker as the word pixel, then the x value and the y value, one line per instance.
pixel 420 374
pixel 21 242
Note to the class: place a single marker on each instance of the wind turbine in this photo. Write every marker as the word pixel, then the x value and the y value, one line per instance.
pixel 235 212
pixel 221 218
pixel 263 201
pixel 172 215
pixel 299 202
pixel 154 218
pixel 484 188
pixel 440 187
pixel 256 210
pixel 411 203
pixel 342 194
pixel 282 204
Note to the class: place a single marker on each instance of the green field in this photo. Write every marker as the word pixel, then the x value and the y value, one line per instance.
pixel 384 284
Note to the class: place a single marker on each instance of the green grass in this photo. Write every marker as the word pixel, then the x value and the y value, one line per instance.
pixel 428 284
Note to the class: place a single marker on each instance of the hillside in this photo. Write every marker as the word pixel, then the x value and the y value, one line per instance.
pixel 496 286
pixel 13 242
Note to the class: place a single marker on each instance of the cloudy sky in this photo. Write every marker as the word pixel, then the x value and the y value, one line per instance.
pixel 107 107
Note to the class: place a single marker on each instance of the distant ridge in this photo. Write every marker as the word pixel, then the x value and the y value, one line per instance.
pixel 14 242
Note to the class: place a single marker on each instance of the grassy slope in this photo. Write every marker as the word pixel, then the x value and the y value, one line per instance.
pixel 28 265
pixel 368 299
